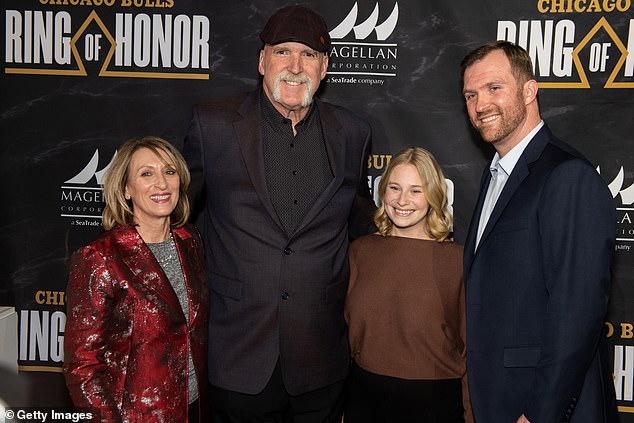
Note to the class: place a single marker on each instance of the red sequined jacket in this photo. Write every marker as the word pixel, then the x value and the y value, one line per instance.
pixel 126 335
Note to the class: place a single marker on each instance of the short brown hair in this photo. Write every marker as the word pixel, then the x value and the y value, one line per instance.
pixel 118 210
pixel 438 220
pixel 520 60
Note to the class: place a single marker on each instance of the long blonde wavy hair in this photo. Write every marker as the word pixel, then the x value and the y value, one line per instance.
pixel 438 222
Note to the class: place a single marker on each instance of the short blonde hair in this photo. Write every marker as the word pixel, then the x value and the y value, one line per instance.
pixel 118 210
pixel 438 220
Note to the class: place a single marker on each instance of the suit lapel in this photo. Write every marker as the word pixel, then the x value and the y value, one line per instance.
pixel 517 176
pixel 335 149
pixel 250 140
pixel 188 256
pixel 519 173
pixel 136 255
pixel 469 249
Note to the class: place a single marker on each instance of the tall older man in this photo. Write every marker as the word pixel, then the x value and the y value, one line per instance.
pixel 282 175
pixel 537 258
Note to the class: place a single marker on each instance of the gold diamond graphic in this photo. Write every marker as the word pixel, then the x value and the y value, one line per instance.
pixel 583 83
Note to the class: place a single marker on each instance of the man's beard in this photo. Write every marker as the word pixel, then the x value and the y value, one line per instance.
pixel 287 76
pixel 510 120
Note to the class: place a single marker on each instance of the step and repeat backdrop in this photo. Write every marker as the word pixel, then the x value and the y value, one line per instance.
pixel 79 77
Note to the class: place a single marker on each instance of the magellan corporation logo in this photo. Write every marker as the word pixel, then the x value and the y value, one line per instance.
pixel 624 213
pixel 82 195
pixel 63 41
pixel 361 52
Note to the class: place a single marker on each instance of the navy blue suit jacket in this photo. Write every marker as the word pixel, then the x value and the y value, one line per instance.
pixel 274 295
pixel 537 292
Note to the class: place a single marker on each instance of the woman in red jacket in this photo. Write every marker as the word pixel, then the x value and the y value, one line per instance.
pixel 135 338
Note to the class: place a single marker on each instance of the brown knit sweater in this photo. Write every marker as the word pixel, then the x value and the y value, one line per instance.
pixel 405 309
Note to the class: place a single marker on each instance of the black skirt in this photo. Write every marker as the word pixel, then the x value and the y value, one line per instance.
pixel 375 398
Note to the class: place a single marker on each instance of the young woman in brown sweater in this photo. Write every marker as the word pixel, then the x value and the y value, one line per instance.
pixel 405 304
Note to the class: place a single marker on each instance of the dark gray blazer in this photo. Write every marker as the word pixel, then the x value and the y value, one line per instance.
pixel 273 295
pixel 537 292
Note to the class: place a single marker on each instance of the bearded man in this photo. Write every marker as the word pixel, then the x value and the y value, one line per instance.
pixel 536 259
pixel 281 178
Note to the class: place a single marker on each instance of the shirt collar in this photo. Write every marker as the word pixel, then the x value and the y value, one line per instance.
pixel 508 162
pixel 276 119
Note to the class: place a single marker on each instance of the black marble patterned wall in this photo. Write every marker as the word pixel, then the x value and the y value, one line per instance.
pixel 69 97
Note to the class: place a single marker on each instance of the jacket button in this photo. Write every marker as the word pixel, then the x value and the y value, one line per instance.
pixel 285 296
pixel 288 251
